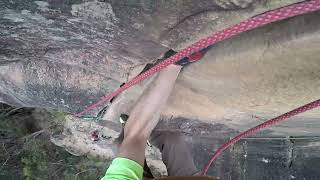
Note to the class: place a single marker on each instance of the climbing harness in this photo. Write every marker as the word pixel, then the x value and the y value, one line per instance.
pixel 198 49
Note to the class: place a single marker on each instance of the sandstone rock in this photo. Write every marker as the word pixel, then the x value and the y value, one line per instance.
pixel 65 55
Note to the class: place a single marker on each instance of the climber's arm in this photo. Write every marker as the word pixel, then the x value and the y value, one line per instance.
pixel 142 120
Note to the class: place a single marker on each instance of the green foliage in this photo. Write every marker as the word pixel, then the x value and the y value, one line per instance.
pixel 26 156
pixel 10 125
pixel 43 160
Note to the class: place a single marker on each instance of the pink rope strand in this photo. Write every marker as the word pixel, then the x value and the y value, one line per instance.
pixel 252 23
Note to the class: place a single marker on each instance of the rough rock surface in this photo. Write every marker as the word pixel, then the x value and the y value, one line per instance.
pixel 77 140
pixel 64 55
pixel 257 157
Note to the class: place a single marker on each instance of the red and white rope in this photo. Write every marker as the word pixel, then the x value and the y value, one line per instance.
pixel 249 132
pixel 252 23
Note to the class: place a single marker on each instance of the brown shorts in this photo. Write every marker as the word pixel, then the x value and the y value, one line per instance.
pixel 176 154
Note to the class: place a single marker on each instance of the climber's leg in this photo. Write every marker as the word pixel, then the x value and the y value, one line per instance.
pixel 176 154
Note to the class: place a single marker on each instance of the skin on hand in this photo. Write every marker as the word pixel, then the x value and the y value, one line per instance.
pixel 145 115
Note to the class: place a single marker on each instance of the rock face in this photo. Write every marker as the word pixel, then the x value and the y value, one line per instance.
pixel 64 55
pixel 77 140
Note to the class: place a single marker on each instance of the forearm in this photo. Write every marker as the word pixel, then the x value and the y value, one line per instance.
pixel 142 119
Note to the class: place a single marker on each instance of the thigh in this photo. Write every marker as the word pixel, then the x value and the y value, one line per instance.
pixel 176 154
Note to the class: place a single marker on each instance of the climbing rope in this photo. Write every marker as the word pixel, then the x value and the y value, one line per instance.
pixel 194 49
pixel 252 23
pixel 268 123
